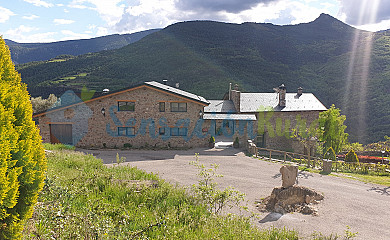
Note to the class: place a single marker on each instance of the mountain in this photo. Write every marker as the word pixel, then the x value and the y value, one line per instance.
pixel 338 63
pixel 28 52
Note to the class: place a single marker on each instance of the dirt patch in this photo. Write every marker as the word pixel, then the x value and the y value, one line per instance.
pixel 292 199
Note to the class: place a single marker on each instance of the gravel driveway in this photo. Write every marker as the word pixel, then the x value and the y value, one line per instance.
pixel 362 206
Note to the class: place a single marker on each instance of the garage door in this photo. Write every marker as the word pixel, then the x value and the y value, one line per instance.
pixel 61 133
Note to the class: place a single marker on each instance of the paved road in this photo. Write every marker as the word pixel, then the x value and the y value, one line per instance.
pixel 363 207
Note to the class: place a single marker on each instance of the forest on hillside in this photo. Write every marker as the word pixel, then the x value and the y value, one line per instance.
pixel 338 63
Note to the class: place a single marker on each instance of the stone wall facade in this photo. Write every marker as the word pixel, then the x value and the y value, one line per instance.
pixel 152 127
pixel 277 127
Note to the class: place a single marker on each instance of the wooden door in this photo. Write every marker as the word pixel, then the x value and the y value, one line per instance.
pixel 61 133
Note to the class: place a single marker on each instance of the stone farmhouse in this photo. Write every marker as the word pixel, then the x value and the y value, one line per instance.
pixel 272 116
pixel 158 115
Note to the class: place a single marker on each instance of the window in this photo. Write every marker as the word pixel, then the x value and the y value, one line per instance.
pixel 126 131
pixel 175 131
pixel 162 106
pixel 260 140
pixel 126 106
pixel 178 107
pixel 161 131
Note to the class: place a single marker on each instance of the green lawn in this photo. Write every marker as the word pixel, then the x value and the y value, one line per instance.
pixel 83 199
pixel 382 180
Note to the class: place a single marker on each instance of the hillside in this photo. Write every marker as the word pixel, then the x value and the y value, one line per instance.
pixel 28 52
pixel 205 56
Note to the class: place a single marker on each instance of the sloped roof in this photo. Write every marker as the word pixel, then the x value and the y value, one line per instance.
pixel 177 91
pixel 253 102
pixel 220 106
pixel 156 85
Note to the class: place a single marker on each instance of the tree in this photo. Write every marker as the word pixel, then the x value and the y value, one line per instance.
pixel 332 125
pixel 39 104
pixel 22 158
pixel 330 154
pixel 308 136
pixel 351 156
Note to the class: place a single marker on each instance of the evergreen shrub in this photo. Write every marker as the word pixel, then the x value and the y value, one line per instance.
pixel 351 156
pixel 22 157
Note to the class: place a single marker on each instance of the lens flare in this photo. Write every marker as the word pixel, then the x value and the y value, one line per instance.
pixel 359 69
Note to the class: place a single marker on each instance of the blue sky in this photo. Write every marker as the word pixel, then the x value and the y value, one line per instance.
pixel 54 20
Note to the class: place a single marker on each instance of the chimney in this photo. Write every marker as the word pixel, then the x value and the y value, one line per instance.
pixel 165 81
pixel 106 90
pixel 230 91
pixel 282 96
pixel 235 96
pixel 300 91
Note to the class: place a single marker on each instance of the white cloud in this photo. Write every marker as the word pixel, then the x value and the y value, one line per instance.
pixel 151 14
pixel 24 34
pixel 101 31
pixel 62 21
pixel 364 12
pixel 110 11
pixel 5 14
pixel 21 29
pixel 382 25
pixel 91 26
pixel 39 3
pixel 70 35
pixel 78 6
pixel 304 13
pixel 148 14
pixel 31 17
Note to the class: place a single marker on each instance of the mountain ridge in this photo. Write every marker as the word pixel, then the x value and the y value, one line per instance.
pixel 28 52
pixel 205 56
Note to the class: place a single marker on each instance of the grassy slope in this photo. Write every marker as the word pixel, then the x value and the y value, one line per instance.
pixel 205 56
pixel 83 199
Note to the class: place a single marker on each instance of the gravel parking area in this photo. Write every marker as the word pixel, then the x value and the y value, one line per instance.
pixel 362 206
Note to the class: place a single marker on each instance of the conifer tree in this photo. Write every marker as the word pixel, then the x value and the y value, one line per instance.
pixel 22 158
pixel 330 154
pixel 351 156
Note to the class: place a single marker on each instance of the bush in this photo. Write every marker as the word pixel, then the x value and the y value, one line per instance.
pixel 330 154
pixel 209 194
pixel 351 156
pixel 357 147
pixel 127 145
pixel 22 158
pixel 58 146
pixel 40 105
pixel 236 143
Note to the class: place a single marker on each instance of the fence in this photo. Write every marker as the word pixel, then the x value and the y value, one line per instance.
pixel 316 162
pixel 301 159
